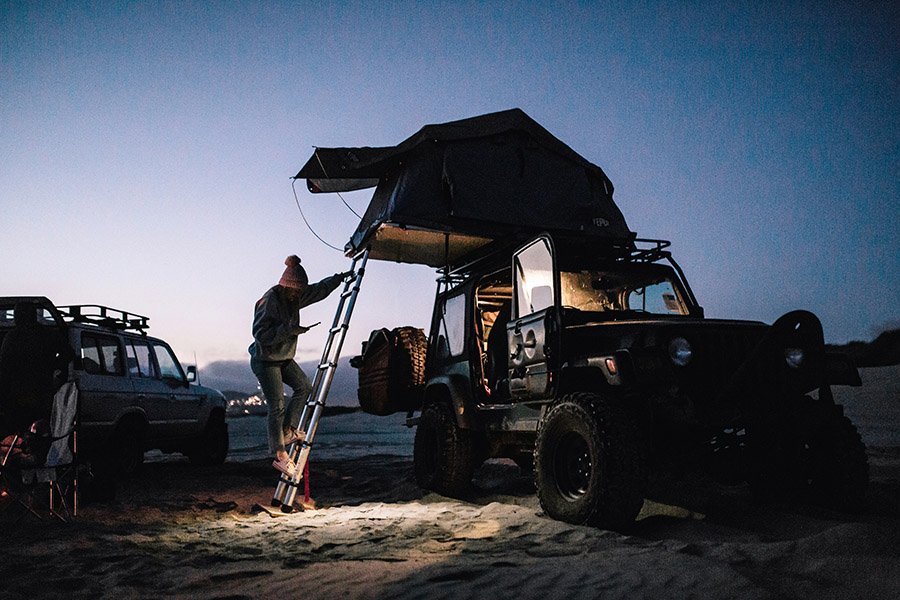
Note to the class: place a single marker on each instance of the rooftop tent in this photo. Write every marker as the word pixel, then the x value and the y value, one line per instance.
pixel 454 187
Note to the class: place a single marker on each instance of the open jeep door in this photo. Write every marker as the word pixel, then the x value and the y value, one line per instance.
pixel 535 317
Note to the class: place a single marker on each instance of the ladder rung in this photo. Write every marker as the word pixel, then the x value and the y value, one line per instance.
pixel 338 328
pixel 324 366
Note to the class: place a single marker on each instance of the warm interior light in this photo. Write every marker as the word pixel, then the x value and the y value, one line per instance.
pixel 611 366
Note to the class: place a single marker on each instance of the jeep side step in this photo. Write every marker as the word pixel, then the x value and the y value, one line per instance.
pixel 286 490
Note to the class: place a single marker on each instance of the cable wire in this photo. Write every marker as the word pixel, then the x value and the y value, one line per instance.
pixel 297 200
pixel 316 154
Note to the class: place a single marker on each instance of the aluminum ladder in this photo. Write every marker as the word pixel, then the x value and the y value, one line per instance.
pixel 286 490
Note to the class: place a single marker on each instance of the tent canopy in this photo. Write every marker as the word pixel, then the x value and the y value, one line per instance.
pixel 454 187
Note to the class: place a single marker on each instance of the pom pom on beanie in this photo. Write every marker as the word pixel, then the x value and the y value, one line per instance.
pixel 294 275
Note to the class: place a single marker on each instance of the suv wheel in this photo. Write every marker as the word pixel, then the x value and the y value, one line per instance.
pixel 826 457
pixel 212 447
pixel 588 464
pixel 130 445
pixel 123 454
pixel 444 456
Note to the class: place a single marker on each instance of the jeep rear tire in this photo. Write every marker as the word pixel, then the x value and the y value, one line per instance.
pixel 444 456
pixel 589 466
pixel 212 447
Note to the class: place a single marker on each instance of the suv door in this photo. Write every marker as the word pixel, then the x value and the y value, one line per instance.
pixel 162 390
pixel 149 389
pixel 182 416
pixel 104 388
pixel 534 314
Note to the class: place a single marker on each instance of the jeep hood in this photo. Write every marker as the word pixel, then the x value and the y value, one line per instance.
pixel 453 187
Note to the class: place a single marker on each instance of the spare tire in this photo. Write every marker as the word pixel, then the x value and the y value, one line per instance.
pixel 392 371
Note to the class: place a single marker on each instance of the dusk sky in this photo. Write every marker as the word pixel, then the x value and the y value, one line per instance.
pixel 146 148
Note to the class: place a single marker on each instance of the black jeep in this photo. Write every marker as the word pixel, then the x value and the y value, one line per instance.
pixel 562 341
pixel 597 364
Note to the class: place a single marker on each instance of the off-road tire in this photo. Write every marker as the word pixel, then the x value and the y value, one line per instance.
pixel 826 458
pixel 589 463
pixel 212 447
pixel 444 456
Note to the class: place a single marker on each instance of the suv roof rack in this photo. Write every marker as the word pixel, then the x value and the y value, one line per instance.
pixel 624 250
pixel 104 316
pixel 656 251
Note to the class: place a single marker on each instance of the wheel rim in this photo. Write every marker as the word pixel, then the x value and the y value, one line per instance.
pixel 572 466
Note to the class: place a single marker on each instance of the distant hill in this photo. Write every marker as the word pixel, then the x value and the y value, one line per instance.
pixel 881 352
pixel 235 377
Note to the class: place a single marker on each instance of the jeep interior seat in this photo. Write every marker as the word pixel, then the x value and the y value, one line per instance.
pixel 496 347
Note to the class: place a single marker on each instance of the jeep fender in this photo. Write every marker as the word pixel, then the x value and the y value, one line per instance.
pixel 454 391
pixel 766 376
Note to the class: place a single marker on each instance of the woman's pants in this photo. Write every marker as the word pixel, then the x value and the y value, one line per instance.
pixel 273 376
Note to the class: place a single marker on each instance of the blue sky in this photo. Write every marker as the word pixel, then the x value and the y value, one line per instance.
pixel 146 148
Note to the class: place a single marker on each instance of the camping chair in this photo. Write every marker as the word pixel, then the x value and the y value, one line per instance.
pixel 46 484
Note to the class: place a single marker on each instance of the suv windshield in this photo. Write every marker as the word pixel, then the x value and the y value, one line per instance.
pixel 643 288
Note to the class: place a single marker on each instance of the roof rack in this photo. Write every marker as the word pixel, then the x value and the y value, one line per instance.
pixel 104 316
pixel 656 251
pixel 622 250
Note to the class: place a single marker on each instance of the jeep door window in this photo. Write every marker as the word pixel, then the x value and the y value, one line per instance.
pixel 451 338
pixel 534 278
pixel 168 366
pixel 101 354
pixel 139 362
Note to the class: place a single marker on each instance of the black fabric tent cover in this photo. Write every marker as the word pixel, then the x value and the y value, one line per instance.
pixel 470 181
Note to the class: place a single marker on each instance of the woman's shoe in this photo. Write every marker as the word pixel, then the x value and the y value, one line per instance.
pixel 294 436
pixel 286 466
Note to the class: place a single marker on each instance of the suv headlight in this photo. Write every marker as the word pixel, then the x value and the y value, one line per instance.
pixel 794 357
pixel 680 351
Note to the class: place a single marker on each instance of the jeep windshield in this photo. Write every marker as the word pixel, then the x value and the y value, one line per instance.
pixel 623 289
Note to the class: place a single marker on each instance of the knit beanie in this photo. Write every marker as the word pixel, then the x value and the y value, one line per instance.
pixel 294 275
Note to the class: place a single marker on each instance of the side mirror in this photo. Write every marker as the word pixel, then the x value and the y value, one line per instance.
pixel 192 374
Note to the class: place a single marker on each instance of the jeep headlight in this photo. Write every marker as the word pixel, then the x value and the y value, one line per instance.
pixel 794 357
pixel 680 351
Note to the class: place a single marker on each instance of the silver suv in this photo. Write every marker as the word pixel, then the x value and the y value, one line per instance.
pixel 134 394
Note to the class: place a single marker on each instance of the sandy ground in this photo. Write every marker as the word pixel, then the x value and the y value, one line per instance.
pixel 182 531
